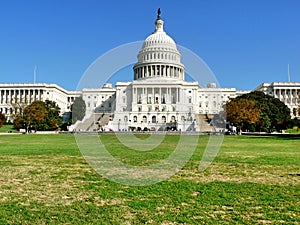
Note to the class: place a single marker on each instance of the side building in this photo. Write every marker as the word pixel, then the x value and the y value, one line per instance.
pixel 15 97
pixel 287 92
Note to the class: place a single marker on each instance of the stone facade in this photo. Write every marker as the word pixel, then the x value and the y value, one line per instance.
pixel 15 97
pixel 158 98
pixel 287 92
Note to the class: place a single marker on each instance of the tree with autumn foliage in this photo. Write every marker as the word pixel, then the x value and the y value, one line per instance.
pixel 39 116
pixel 242 112
pixel 257 111
pixel 33 114
pixel 2 119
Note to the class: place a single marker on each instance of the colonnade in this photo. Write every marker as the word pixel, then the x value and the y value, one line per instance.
pixel 20 95
pixel 158 71
pixel 9 97
pixel 156 95
pixel 290 97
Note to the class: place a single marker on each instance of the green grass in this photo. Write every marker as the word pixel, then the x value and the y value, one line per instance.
pixel 45 180
pixel 7 128
pixel 294 130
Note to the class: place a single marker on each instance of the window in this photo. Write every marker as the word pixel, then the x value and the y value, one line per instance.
pixel 163 119
pixel 144 119
pixel 135 119
pixel 153 119
pixel 156 100
pixel 173 119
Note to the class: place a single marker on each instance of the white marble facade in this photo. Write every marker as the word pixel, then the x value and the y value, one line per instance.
pixel 158 98
pixel 14 97
pixel 287 92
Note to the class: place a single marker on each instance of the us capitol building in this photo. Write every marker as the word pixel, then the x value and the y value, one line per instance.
pixel 158 98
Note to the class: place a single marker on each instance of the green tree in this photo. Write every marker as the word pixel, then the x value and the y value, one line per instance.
pixel 78 109
pixel 242 112
pixel 2 119
pixel 52 119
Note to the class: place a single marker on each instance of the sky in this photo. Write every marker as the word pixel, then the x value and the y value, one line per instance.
pixel 244 42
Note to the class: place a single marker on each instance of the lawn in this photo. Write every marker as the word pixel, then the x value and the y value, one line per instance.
pixel 7 128
pixel 45 180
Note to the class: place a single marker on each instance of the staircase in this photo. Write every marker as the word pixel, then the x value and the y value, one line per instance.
pixel 202 122
pixel 94 122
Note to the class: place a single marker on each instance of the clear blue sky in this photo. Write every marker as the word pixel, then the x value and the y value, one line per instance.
pixel 244 42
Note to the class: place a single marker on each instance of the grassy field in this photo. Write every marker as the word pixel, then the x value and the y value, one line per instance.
pixel 45 180
pixel 7 128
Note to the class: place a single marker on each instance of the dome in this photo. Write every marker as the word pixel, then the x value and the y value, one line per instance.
pixel 159 39
pixel 159 56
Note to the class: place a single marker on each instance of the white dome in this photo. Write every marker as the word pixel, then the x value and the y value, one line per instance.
pixel 159 56
pixel 159 39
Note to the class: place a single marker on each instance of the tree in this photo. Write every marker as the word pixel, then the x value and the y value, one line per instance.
pixel 2 119
pixel 19 122
pixel 78 109
pixel 34 114
pixel 242 112
pixel 52 119
pixel 18 105
pixel 272 113
pixel 39 115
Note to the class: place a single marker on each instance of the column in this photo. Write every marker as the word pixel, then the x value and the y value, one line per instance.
pixel 160 96
pixel 5 96
pixel 143 71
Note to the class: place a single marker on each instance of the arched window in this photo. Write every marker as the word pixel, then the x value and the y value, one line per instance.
pixel 163 119
pixel 144 119
pixel 172 118
pixel 135 119
pixel 153 119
